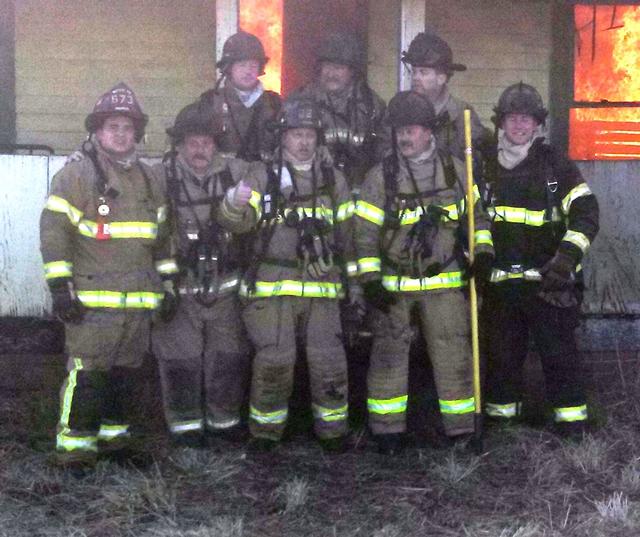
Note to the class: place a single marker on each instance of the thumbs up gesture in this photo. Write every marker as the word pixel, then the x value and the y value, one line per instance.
pixel 239 195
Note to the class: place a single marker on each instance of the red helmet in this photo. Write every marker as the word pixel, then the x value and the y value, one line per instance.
pixel 118 101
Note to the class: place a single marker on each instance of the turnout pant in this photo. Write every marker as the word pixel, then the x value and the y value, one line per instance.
pixel 510 313
pixel 204 362
pixel 95 397
pixel 444 320
pixel 273 324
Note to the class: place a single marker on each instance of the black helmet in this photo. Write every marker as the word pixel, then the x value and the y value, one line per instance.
pixel 300 112
pixel 342 48
pixel 195 118
pixel 429 50
pixel 411 108
pixel 520 98
pixel 242 46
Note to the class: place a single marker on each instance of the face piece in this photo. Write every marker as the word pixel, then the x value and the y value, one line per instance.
pixel 519 128
pixel 117 136
pixel 243 74
pixel 413 140
pixel 427 81
pixel 300 143
pixel 198 150
pixel 335 77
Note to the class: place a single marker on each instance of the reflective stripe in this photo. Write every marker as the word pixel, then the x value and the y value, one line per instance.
pixel 576 192
pixel 368 264
pixel 457 406
pixel 570 413
pixel 499 275
pixel 518 215
pixel 578 239
pixel 256 202
pixel 509 410
pixel 444 280
pixel 167 266
pixel 221 425
pixel 109 432
pixel 268 418
pixel 121 230
pixel 396 405
pixel 369 212
pixel 345 211
pixel 178 427
pixel 294 288
pixel 329 414
pixel 225 286
pixel 61 205
pixel 483 236
pixel 64 442
pixel 117 299
pixel 162 214
pixel 58 269
pixel 352 268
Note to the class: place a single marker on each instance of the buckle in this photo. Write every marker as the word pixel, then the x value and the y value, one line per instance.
pixel 516 269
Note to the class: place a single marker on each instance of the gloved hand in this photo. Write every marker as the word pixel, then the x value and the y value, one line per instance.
pixel 238 196
pixel 66 305
pixel 76 156
pixel 481 267
pixel 377 296
pixel 170 301
pixel 557 273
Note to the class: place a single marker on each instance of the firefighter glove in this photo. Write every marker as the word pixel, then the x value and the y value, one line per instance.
pixel 557 273
pixel 66 305
pixel 481 266
pixel 170 300
pixel 377 296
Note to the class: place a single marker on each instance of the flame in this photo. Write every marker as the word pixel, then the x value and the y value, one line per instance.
pixel 611 72
pixel 263 18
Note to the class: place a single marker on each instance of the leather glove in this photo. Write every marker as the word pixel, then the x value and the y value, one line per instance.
pixel 481 267
pixel 557 273
pixel 377 296
pixel 66 305
pixel 170 301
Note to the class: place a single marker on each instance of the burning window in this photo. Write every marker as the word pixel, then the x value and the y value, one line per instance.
pixel 605 124
pixel 264 19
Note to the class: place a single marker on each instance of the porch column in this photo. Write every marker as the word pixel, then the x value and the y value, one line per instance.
pixel 412 21
pixel 226 22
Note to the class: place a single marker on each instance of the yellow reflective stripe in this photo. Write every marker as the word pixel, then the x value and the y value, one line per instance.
pixel 345 211
pixel 368 264
pixel 369 212
pixel 57 269
pixel 268 418
pixel 294 288
pixel 65 442
pixel 509 410
pixel 166 266
pixel 117 299
pixel 395 405
pixel 61 205
pixel 576 192
pixel 329 414
pixel 517 215
pixel 121 230
pixel 578 239
pixel 162 214
pixel 457 406
pixel 178 427
pixel 109 432
pixel 444 280
pixel 256 202
pixel 570 413
pixel 352 268
pixel 483 236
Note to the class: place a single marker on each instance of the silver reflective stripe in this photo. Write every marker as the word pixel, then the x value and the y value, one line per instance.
pixel 508 410
pixel 112 431
pixel 329 414
pixel 185 426
pixel 219 425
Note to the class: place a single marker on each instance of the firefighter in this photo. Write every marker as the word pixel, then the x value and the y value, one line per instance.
pixel 431 65
pixel 545 217
pixel 296 280
pixel 409 238
pixel 350 110
pixel 246 109
pixel 201 347
pixel 103 237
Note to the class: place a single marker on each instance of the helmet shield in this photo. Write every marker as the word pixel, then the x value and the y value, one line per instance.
pixel 300 112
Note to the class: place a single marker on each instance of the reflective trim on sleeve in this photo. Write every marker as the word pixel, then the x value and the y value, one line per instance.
pixel 483 236
pixel 117 299
pixel 111 432
pixel 185 426
pixel 61 205
pixel 345 211
pixel 396 405
pixel 369 212
pixel 457 406
pixel 58 269
pixel 352 268
pixel 570 413
pixel 508 410
pixel 256 202
pixel 368 264
pixel 517 215
pixel 330 414
pixel 576 192
pixel 167 266
pixel 444 280
pixel 293 288
pixel 268 418
pixel 162 214
pixel 578 239
pixel 121 230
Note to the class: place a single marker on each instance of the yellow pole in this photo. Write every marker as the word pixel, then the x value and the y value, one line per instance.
pixel 473 297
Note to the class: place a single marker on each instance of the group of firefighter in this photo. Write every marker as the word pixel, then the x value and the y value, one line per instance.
pixel 276 230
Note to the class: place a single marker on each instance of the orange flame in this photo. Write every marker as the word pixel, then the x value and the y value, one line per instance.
pixel 611 72
pixel 263 18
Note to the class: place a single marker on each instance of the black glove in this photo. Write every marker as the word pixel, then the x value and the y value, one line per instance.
pixel 481 267
pixel 377 296
pixel 557 273
pixel 170 301
pixel 66 307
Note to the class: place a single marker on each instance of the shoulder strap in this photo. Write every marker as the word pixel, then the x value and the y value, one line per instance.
pixel 102 182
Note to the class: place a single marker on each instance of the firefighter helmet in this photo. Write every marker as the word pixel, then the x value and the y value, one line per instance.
pixel 118 101
pixel 300 112
pixel 242 46
pixel 344 49
pixel 411 108
pixel 520 98
pixel 195 118
pixel 429 50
